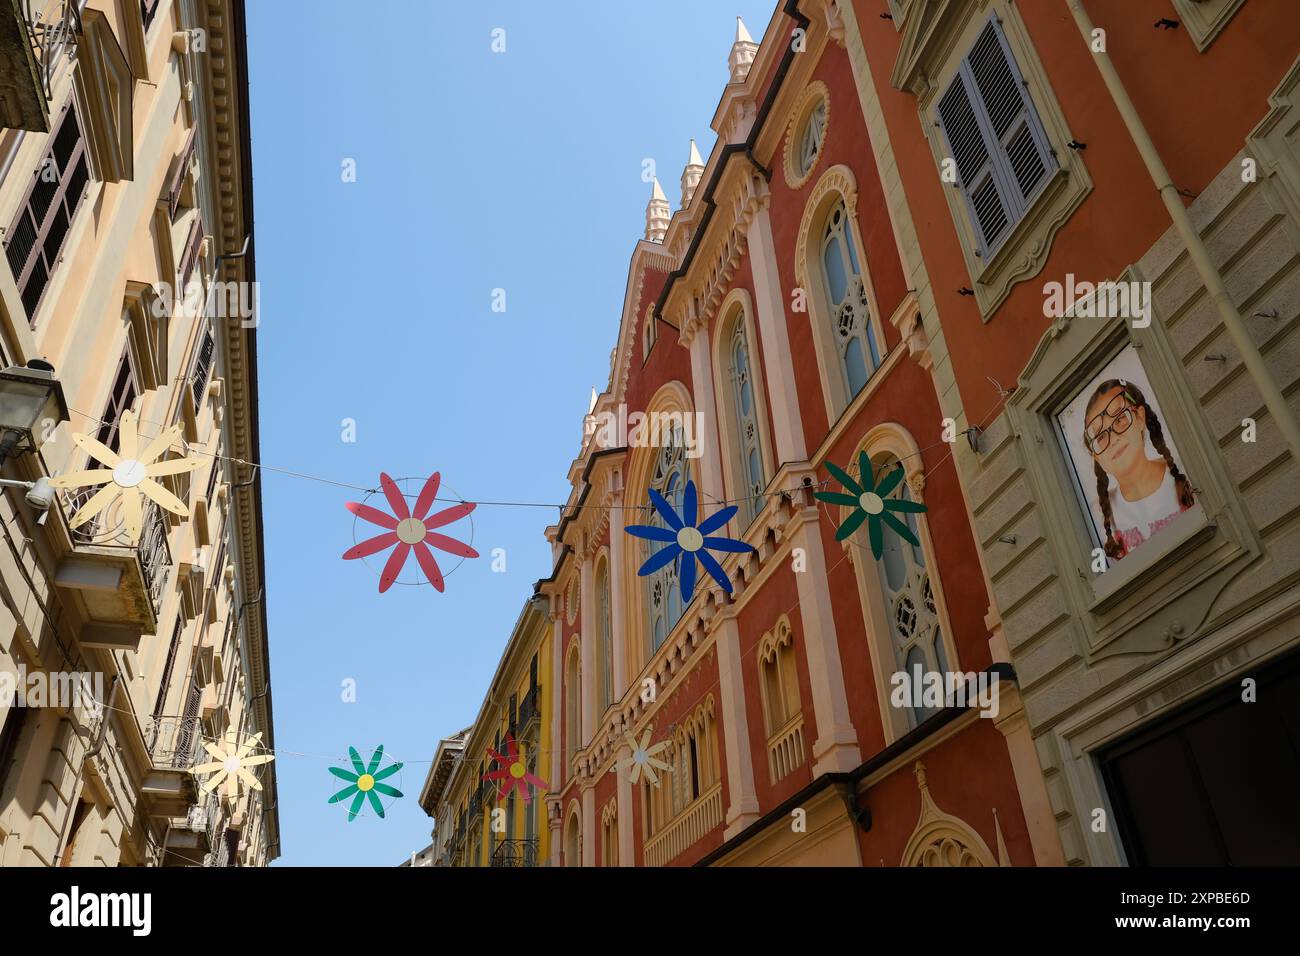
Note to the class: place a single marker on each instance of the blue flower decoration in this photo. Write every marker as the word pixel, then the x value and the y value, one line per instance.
pixel 684 537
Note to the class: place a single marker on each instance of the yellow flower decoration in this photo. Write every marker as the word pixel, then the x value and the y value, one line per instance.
pixel 231 764
pixel 128 472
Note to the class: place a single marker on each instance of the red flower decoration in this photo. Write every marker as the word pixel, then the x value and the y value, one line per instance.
pixel 410 532
pixel 514 772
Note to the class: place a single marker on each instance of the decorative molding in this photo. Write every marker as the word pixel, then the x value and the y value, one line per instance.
pixel 941 839
pixel 800 113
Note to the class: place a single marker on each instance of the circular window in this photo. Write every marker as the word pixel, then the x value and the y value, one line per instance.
pixel 571 601
pixel 805 138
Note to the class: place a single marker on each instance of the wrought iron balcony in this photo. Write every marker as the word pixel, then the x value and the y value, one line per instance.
pixel 35 35
pixel 515 853
pixel 530 707
pixel 175 745
pixel 121 584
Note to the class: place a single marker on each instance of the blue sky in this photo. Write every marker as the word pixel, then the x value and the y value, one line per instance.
pixel 475 171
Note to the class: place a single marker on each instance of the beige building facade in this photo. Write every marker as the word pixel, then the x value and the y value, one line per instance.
pixel 125 191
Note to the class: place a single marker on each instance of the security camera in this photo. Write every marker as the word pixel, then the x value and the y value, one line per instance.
pixel 40 495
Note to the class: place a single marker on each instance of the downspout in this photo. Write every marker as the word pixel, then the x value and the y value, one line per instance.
pixel 81 771
pixel 1200 256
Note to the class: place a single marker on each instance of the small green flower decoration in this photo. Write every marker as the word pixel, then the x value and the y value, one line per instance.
pixel 870 503
pixel 365 782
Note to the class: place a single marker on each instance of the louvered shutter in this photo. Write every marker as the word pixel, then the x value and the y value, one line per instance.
pixel 995 138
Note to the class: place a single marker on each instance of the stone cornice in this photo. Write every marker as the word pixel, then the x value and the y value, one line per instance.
pixel 692 301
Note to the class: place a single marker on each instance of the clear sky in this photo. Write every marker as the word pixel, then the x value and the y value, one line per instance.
pixel 475 171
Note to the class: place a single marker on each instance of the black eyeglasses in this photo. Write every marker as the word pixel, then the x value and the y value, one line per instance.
pixel 1121 414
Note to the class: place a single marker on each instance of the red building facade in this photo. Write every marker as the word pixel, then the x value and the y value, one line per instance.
pixel 773 315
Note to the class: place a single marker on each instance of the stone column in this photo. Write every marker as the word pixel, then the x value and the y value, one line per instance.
pixel 710 460
pixel 626 847
pixel 769 304
pixel 742 801
pixel 836 747
pixel 589 826
pixel 589 618
pixel 618 635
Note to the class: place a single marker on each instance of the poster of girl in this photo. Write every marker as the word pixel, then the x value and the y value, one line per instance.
pixel 1127 467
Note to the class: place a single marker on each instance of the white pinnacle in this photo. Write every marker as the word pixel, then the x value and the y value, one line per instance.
pixel 694 159
pixel 742 35
pixel 658 192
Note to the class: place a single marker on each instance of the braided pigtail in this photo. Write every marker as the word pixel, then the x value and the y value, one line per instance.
pixel 1114 548
pixel 1184 487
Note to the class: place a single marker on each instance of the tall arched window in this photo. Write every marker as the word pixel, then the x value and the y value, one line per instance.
pixel 846 294
pixel 663 597
pixel 572 702
pixel 606 663
pixel 744 411
pixel 916 634
pixel 782 713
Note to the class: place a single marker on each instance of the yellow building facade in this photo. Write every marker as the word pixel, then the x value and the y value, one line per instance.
pixel 129 297
pixel 475 824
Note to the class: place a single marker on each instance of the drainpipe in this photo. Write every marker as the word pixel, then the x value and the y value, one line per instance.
pixel 76 783
pixel 1250 354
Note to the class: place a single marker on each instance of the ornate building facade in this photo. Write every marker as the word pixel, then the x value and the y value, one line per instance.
pixel 126 190
pixel 944 235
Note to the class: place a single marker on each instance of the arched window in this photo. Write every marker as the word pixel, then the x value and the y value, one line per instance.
pixel 909 599
pixel 572 702
pixel 744 411
pixel 846 295
pixel 695 770
pixel 781 706
pixel 573 840
pixel 609 834
pixel 663 597
pixel 606 663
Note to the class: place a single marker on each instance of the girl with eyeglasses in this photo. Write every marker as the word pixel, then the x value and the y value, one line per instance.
pixel 1138 495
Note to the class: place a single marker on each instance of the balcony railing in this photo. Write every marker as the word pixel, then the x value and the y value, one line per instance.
pixel 175 743
pixel 690 826
pixel 530 706
pixel 515 853
pixel 785 750
pixel 108 530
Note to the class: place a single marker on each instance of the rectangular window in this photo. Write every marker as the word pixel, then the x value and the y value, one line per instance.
pixel 120 400
pixel 176 181
pixel 193 246
pixel 203 369
pixel 995 139
pixel 161 700
pixel 35 239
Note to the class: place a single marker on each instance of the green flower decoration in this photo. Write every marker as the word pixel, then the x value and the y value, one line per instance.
pixel 870 503
pixel 365 782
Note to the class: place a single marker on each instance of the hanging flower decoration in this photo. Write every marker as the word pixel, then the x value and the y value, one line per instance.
pixel 513 772
pixel 410 531
pixel 128 473
pixel 365 784
pixel 870 503
pixel 231 764
pixel 684 537
pixel 643 758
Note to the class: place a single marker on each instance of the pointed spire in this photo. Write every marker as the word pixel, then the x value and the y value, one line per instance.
pixel 742 53
pixel 691 174
pixel 657 214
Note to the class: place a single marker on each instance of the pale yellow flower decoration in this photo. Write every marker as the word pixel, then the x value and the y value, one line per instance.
pixel 128 472
pixel 643 758
pixel 231 764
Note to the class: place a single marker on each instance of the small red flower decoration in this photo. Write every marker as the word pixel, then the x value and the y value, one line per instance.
pixel 513 772
pixel 410 531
